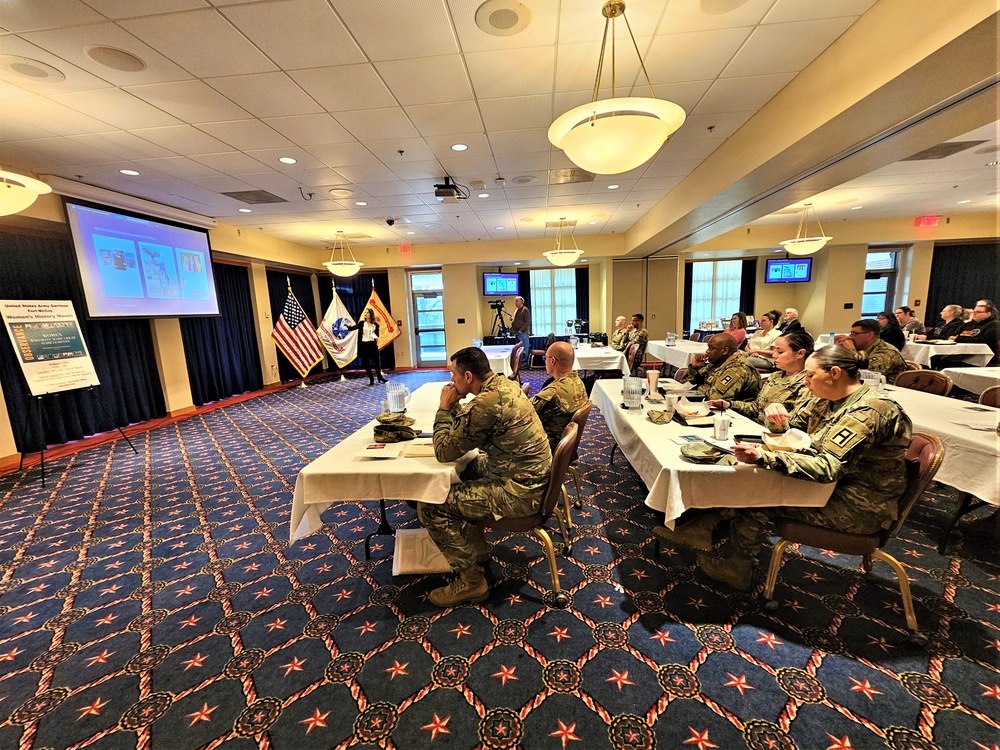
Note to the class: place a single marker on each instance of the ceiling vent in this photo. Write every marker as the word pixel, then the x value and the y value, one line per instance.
pixel 564 176
pixel 34 70
pixel 114 58
pixel 357 236
pixel 503 17
pixel 564 223
pixel 255 197
pixel 942 150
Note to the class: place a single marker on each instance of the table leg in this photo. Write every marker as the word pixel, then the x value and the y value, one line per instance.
pixel 966 504
pixel 384 529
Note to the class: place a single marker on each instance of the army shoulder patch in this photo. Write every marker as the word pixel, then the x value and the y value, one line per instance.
pixel 725 381
pixel 840 440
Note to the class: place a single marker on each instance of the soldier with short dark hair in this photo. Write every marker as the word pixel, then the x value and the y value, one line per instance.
pixel 507 479
pixel 881 356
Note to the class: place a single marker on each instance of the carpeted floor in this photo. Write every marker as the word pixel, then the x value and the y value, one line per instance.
pixel 153 601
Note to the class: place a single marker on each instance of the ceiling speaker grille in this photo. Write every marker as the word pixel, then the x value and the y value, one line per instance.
pixel 942 150
pixel 255 197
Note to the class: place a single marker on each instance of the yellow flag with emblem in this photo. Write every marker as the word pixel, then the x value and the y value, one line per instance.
pixel 388 329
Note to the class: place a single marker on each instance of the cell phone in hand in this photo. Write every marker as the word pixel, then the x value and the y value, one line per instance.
pixel 755 439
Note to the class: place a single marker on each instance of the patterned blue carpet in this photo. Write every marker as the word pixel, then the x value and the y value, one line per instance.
pixel 153 601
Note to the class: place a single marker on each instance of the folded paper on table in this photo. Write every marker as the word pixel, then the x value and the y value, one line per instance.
pixel 416 553
pixel 422 448
pixel 382 450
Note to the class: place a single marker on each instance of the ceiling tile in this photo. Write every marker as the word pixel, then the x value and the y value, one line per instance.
pixel 517 112
pixel 296 33
pixel 695 56
pixel 426 80
pixel 131 8
pixel 232 162
pixel 338 155
pixel 118 108
pixel 344 87
pixel 178 166
pixel 201 41
pixel 534 140
pixel 308 130
pixel 183 139
pixel 418 170
pixel 445 119
pixel 696 149
pixel 804 10
pixel 784 48
pixel 394 188
pixel 366 173
pixel 12 130
pixel 667 168
pixel 576 67
pixel 391 30
pixel 266 94
pixel 245 135
pixel 722 125
pixel 518 72
pixel 65 150
pixel 414 149
pixel 123 145
pixel 441 145
pixel 520 163
pixel 468 168
pixel 46 14
pixel 377 124
pixel 588 25
pixel 13 157
pixel 50 115
pixel 741 94
pixel 682 17
pixel 303 159
pixel 192 101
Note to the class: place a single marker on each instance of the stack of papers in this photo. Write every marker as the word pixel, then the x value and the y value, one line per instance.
pixel 416 553
pixel 420 448
pixel 382 450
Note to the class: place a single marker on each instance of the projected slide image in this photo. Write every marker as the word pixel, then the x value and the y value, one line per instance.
pixel 194 280
pixel 159 271
pixel 117 265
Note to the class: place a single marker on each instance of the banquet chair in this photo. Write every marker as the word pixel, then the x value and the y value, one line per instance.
pixel 694 337
pixel 580 419
pixel 515 363
pixel 526 389
pixel 535 523
pixel 923 457
pixel 928 381
pixel 631 357
pixel 549 341
pixel 990 397
pixel 911 365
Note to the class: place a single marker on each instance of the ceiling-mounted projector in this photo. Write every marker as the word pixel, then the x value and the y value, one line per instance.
pixel 449 192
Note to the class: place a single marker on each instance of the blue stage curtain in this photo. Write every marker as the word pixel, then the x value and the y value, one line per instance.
pixel 277 290
pixel 354 292
pixel 122 351
pixel 524 285
pixel 221 351
pixel 583 295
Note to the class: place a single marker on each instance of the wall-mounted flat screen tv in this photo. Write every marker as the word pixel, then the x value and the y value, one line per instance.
pixel 788 271
pixel 134 266
pixel 499 284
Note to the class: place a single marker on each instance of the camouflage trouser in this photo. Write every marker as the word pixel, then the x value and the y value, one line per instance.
pixel 472 499
pixel 748 526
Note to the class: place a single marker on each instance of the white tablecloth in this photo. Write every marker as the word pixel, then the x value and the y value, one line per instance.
pixel 499 357
pixel 599 358
pixel 972 457
pixel 678 355
pixel 973 379
pixel 340 475
pixel 675 484
pixel 976 354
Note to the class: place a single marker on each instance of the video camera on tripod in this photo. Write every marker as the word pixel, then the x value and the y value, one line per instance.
pixel 496 304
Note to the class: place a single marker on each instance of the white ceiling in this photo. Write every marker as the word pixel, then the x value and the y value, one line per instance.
pixel 371 96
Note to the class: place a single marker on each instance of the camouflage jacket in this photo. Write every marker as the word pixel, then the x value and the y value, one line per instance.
pixel 733 380
pixel 859 443
pixel 618 339
pixel 502 424
pixel 638 336
pixel 886 359
pixel 556 403
pixel 789 390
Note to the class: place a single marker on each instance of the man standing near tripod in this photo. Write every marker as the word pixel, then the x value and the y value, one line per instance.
pixel 521 328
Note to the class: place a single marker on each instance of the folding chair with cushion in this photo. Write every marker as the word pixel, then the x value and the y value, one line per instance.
pixel 580 419
pixel 923 457
pixel 515 363
pixel 535 523
pixel 631 358
pixel 911 365
pixel 694 337
pixel 549 341
pixel 928 381
pixel 990 397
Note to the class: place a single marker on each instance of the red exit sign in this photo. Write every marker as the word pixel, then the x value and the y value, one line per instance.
pixel 926 221
pixel 405 248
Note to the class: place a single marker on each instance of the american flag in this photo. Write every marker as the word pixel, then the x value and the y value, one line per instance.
pixel 296 337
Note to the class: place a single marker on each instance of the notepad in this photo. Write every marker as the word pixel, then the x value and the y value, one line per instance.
pixel 420 449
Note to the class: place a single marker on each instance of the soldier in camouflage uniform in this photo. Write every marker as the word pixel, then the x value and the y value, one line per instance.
pixel 507 479
pixel 637 334
pixel 722 372
pixel 562 396
pixel 859 439
pixel 882 357
pixel 620 334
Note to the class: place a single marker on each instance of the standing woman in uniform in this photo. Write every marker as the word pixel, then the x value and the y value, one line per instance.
pixel 368 345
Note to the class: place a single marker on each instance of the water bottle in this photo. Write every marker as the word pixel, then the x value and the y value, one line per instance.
pixel 832 337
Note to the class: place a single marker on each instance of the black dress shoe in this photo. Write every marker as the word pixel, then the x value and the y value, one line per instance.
pixel 382 380
pixel 371 382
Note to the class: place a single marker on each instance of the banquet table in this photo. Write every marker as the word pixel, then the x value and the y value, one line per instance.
pixel 972 456
pixel 342 474
pixel 499 357
pixel 921 353
pixel 973 379
pixel 588 357
pixel 678 355
pixel 675 484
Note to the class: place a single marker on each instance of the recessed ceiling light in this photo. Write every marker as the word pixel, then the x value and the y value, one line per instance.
pixel 411 232
pixel 498 227
pixel 483 195
pixel 286 160
pixel 591 222
pixel 245 211
pixel 431 226
pixel 325 238
pixel 518 263
pixel 856 208
pixel 613 187
pixel 341 192
pixel 360 203
pixel 992 163
pixel 129 172
pixel 967 200
pixel 459 147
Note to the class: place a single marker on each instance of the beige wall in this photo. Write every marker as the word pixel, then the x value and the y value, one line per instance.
pixel 461 301
pixel 171 364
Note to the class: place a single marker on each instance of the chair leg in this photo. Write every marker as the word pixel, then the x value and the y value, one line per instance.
pixel 565 523
pixel 569 518
pixel 772 574
pixel 561 599
pixel 576 481
pixel 904 589
pixel 611 458
pixel 866 564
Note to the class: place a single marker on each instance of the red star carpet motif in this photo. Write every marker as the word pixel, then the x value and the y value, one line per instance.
pixel 437 726
pixel 700 739
pixel 94 709
pixel 506 673
pixel 565 733
pixel 316 720
pixel 202 714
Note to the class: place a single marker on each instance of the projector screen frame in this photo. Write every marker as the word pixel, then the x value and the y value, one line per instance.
pixel 90 286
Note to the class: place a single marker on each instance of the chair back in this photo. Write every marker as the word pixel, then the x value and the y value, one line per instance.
pixel 560 463
pixel 990 397
pixel 923 458
pixel 549 341
pixel 515 363
pixel 579 418
pixel 631 355
pixel 679 375
pixel 526 389
pixel 911 365
pixel 928 381
pixel 694 337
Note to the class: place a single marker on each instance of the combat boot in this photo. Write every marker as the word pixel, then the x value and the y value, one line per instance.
pixel 736 570
pixel 479 544
pixel 468 587
pixel 695 534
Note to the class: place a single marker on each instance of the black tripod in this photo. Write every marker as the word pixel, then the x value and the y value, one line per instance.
pixel 500 328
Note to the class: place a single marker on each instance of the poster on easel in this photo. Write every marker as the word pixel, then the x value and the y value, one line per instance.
pixel 49 345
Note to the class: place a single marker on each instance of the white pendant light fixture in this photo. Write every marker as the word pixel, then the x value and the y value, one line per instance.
pixel 17 192
pixel 618 134
pixel 343 266
pixel 560 255
pixel 803 244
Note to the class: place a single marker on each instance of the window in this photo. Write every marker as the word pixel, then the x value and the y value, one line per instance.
pixel 715 291
pixel 427 290
pixel 553 300
pixel 880 283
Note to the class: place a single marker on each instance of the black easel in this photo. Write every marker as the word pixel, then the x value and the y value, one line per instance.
pixel 41 426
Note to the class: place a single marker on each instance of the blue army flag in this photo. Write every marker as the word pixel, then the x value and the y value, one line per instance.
pixel 341 343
